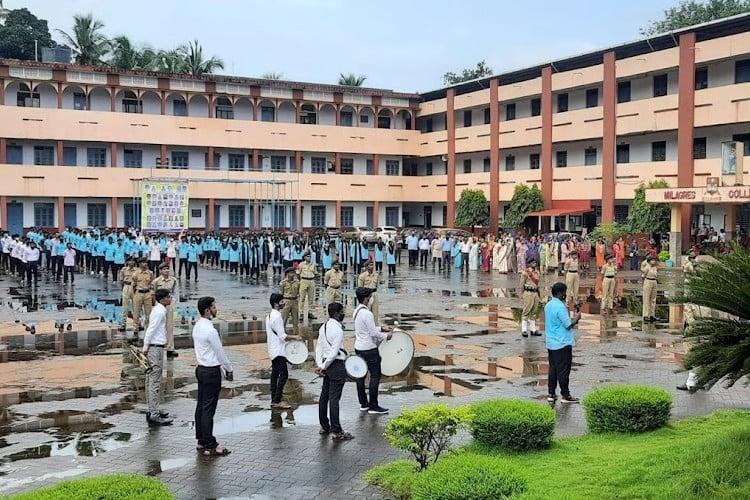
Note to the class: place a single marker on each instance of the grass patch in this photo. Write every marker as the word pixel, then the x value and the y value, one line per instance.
pixel 113 487
pixel 697 458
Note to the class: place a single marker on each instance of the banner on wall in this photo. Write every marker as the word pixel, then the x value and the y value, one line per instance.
pixel 164 206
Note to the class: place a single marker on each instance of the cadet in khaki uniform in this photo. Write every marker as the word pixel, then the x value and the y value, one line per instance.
pixel 290 292
pixel 369 279
pixel 609 282
pixel 164 280
pixel 143 280
pixel 649 273
pixel 307 273
pixel 572 278
pixel 126 280
pixel 332 280
pixel 530 287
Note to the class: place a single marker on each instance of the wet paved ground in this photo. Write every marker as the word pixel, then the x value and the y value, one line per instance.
pixel 72 404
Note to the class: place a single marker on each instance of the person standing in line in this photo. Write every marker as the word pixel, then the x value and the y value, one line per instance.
pixel 609 284
pixel 390 257
pixel 572 278
pixel 126 281
pixel 31 256
pixel 307 273
pixel 633 255
pixel 369 280
pixel 211 359
pixel 143 287
pixel 329 361
pixel 69 264
pixel 446 247
pixel 649 274
pixel 290 293
pixel 424 250
pixel 164 280
pixel 465 247
pixel 560 341
pixel 436 253
pixel 412 245
pixel 530 287
pixel 153 347
pixel 368 337
pixel 333 280
pixel 276 339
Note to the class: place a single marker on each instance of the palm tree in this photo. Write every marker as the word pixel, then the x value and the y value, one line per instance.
pixel 126 56
pixel 722 350
pixel 351 80
pixel 272 75
pixel 87 41
pixel 169 61
pixel 194 64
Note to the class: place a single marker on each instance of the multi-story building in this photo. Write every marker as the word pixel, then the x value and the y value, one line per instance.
pixel 75 142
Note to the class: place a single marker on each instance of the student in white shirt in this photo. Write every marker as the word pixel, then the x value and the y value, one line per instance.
pixel 211 358
pixel 368 337
pixel 31 257
pixel 153 347
pixel 329 361
pixel 276 338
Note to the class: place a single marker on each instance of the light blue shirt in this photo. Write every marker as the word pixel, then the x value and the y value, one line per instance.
pixel 557 325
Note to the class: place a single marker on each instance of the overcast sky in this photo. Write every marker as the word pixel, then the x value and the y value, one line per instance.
pixel 405 45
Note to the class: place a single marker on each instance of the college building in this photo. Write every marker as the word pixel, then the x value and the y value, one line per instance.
pixel 76 143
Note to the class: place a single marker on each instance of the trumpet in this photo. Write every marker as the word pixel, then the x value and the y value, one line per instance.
pixel 141 358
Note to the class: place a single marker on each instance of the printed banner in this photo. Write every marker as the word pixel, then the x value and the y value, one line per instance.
pixel 164 206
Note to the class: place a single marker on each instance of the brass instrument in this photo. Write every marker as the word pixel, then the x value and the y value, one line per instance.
pixel 141 358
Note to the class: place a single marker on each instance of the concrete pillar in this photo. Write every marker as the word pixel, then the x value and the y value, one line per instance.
pixel 546 159
pixel 210 215
pixel 338 213
pixel 113 154
pixel 60 151
pixel 163 156
pixel 4 211
pixel 375 213
pixel 114 212
pixel 450 120
pixel 675 234
pixel 210 165
pixel 3 153
pixel 299 215
pixel 61 214
pixel 729 227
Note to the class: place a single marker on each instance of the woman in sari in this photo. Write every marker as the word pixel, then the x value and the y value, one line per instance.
pixel 486 255
pixel 473 254
pixel 501 261
pixel 619 251
pixel 584 253
pixel 456 254
pixel 601 249
pixel 521 250
pixel 543 256
pixel 554 255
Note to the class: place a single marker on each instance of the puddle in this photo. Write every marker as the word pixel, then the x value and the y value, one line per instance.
pixel 262 420
pixel 154 467
pixel 77 445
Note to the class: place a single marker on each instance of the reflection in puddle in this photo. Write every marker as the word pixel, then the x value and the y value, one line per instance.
pixel 154 467
pixel 77 445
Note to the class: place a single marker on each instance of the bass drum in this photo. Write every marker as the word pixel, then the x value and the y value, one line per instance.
pixel 396 354
pixel 356 367
pixel 296 352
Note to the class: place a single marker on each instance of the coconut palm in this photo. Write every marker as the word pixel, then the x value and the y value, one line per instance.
pixel 87 40
pixel 722 349
pixel 193 61
pixel 272 75
pixel 351 80
pixel 125 55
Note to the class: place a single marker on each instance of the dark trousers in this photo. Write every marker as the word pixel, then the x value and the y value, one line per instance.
pixel 465 262
pixel 32 270
pixel 115 271
pixel 209 387
pixel 59 266
pixel 279 376
pixel 413 257
pixel 447 259
pixel 69 270
pixel 193 266
pixel 330 395
pixel 423 258
pixel 372 358
pixel 560 362
pixel 183 264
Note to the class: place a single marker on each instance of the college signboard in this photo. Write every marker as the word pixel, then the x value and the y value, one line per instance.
pixel 709 194
pixel 164 206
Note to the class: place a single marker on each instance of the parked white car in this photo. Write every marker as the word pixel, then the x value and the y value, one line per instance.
pixel 387 233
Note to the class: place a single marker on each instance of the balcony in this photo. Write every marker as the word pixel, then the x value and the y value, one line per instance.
pixel 578 125
pixel 574 183
pixel 521 132
pixel 629 176
pixel 720 105
pixel 647 115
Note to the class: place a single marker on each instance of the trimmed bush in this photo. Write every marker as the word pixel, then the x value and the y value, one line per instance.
pixel 113 487
pixel 513 423
pixel 470 477
pixel 627 408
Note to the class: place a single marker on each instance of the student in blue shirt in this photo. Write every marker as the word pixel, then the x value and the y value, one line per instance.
pixel 182 253
pixel 558 327
pixel 109 256
pixel 119 260
pixel 193 250
pixel 60 247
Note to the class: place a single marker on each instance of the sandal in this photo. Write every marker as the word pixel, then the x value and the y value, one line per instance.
pixel 323 431
pixel 343 436
pixel 215 452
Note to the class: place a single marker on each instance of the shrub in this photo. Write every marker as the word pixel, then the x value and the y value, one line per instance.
pixel 627 408
pixel 513 423
pixel 395 477
pixel 468 476
pixel 663 256
pixel 113 487
pixel 426 431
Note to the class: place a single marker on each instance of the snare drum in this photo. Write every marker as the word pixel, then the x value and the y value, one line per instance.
pixel 296 352
pixel 396 353
pixel 356 367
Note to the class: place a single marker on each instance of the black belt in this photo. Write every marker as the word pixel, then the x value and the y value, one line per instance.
pixel 574 272
pixel 652 279
pixel 291 298
pixel 609 276
pixel 337 287
pixel 304 278
pixel 530 289
pixel 144 291
pixel 127 283
pixel 157 345
pixel 372 290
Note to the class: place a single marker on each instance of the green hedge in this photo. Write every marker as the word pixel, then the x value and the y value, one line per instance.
pixel 470 477
pixel 513 423
pixel 113 487
pixel 627 408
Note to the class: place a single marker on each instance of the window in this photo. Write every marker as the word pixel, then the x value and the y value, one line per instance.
pixel 308 115
pixel 384 122
pixel 180 159
pixel 743 138
pixel 534 161
pixel 589 156
pixel 96 157
pixel 510 162
pixel 467 118
pixel 486 165
pixel 14 155
pixel 562 103
pixel 392 167
pixel 133 214
pixel 428 125
pixel 347 166
pixel 292 163
pixel 196 213
pixel 369 217
pixel 279 216
pixel 370 167
pixel 179 108
pixel 592 98
pixel 44 214
pixel 623 91
pixel 217 161
pixel 131 104
pixel 79 101
pixel 347 119
pixel 621 214
pixel 347 216
pixel 699 148
pixel 96 214
pixel 364 119
pixel 467 166
pixel 224 109
pixel 701 78
pixel 318 216
pixel 318 165
pixel 44 155
pixel 487 116
pixel 510 111
pixel 391 216
pixel 742 71
pixel 27 99
pixel 659 151
pixel 278 164
pixel 267 114
pixel 133 158
pixel 236 215
pixel 70 156
pixel 562 159
pixel 236 162
pixel 536 106
pixel 428 168
pixel 623 153
pixel 661 83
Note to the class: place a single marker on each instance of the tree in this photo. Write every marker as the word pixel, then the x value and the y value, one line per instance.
pixel 169 61
pixel 722 350
pixel 193 62
pixel 272 75
pixel 481 71
pixel 649 217
pixel 126 55
pixel 525 200
pixel 472 209
pixel 351 80
pixel 87 40
pixel 22 34
pixel 692 12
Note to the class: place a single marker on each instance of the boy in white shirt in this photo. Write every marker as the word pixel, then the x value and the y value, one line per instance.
pixel 276 339
pixel 329 361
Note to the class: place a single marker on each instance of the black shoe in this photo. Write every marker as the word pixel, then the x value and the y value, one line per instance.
pixel 524 334
pixel 552 398
pixel 652 319
pixel 163 414
pixel 157 421
pixel 569 399
pixel 172 354
pixel 378 411
pixel 536 334
pixel 646 319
